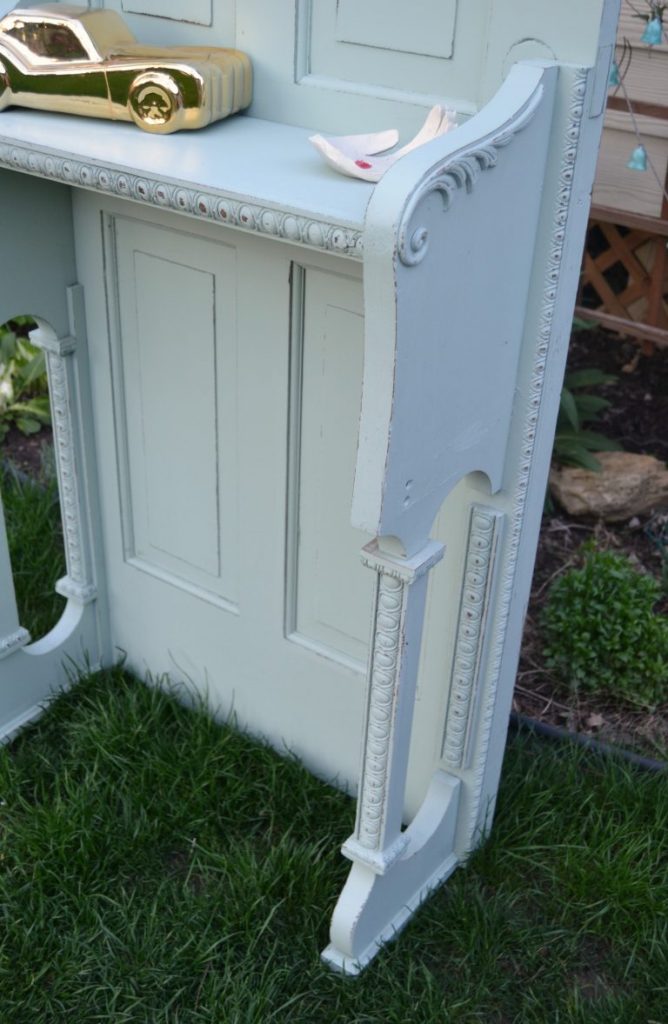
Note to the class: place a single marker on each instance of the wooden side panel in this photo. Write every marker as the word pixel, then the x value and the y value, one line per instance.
pixel 176 408
pixel 615 184
pixel 646 77
pixel 631 27
pixel 330 591
pixel 645 81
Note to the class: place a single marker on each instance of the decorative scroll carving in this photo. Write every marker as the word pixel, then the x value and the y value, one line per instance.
pixel 483 536
pixel 569 154
pixel 11 643
pixel 316 234
pixel 385 665
pixel 459 171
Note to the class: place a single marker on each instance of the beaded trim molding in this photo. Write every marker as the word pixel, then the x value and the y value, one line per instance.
pixel 206 204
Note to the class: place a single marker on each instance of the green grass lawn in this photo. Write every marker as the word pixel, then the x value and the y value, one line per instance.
pixel 35 539
pixel 158 867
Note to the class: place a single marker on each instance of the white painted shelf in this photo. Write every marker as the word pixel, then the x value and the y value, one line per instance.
pixel 212 173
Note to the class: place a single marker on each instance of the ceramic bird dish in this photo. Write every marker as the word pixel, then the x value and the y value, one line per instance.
pixel 358 155
pixel 79 60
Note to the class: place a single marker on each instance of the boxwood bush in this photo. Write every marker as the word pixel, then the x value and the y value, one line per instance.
pixel 602 633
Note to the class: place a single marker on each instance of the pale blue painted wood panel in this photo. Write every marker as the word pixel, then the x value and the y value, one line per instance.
pixel 38 264
pixel 237 654
pixel 176 355
pixel 372 49
pixel 169 23
pixel 333 590
pixel 178 352
pixel 198 12
pixel 428 31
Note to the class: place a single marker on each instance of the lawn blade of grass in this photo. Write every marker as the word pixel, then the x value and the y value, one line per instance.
pixel 156 866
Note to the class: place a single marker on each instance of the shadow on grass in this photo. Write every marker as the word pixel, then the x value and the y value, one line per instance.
pixel 157 866
pixel 35 536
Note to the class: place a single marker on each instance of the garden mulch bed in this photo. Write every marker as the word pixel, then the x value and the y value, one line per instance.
pixel 638 419
pixel 28 453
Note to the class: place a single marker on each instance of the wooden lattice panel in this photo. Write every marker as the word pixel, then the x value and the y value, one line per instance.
pixel 624 283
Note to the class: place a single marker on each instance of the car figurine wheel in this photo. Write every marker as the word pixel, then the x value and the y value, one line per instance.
pixel 155 102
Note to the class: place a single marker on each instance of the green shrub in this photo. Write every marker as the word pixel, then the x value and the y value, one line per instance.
pixel 24 400
pixel 602 634
pixel 573 442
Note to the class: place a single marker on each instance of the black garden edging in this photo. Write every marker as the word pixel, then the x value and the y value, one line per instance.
pixel 554 732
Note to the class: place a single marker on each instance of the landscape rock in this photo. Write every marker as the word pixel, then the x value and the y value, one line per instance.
pixel 628 485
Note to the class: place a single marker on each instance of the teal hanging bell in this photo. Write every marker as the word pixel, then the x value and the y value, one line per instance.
pixel 613 78
pixel 638 161
pixel 653 33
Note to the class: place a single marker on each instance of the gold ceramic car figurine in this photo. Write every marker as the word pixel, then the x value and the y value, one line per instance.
pixel 79 60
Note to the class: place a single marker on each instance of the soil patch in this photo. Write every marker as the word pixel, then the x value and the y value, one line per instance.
pixel 638 419
pixel 30 453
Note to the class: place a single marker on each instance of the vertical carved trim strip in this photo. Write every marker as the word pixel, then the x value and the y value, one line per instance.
pixel 77 583
pixel 478 572
pixel 532 412
pixel 67 475
pixel 383 773
pixel 384 668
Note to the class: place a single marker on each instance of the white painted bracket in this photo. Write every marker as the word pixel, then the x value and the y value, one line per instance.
pixel 31 672
pixel 375 904
pixel 455 385
pixel 393 870
pixel 438 337
pixel 61 368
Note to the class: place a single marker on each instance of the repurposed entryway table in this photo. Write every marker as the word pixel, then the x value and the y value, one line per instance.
pixel 259 368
